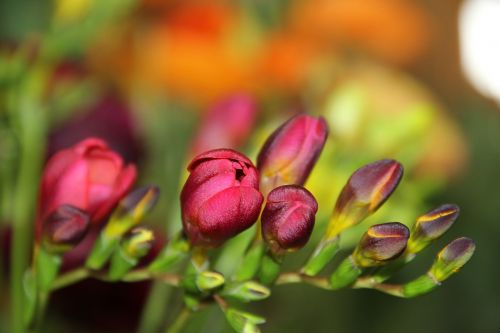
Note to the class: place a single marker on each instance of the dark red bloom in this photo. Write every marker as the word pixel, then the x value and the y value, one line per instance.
pixel 290 153
pixel 88 176
pixel 220 198
pixel 288 218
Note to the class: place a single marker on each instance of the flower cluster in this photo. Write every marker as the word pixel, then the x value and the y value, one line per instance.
pixel 224 195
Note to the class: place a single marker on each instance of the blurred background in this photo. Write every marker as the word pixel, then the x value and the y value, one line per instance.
pixel 162 80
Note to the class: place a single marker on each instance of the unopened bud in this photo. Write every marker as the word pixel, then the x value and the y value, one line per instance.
pixel 382 242
pixel 203 282
pixel 291 152
pixel 288 218
pixel 138 242
pixel 243 321
pixel 366 190
pixel 246 291
pixel 431 226
pixel 64 229
pixel 131 210
pixel 452 257
pixel 134 245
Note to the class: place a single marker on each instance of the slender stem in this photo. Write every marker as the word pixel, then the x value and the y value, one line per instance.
pixel 29 116
pixel 221 302
pixel 82 273
pixel 180 321
pixel 71 277
pixel 295 277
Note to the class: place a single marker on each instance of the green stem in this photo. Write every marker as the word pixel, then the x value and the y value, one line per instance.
pixel 294 277
pixel 137 275
pixel 31 133
pixel 71 277
pixel 180 321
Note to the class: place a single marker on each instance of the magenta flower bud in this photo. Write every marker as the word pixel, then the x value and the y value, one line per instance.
pixel 220 198
pixel 291 152
pixel 64 228
pixel 366 190
pixel 382 242
pixel 288 218
pixel 431 226
pixel 227 124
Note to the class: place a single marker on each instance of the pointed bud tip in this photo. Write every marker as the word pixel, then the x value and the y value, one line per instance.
pixel 144 198
pixel 437 221
pixel 460 249
pixel 452 257
pixel 291 151
pixel 376 181
pixel 365 191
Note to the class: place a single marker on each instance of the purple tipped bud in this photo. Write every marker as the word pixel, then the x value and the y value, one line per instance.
pixel 431 226
pixel 366 190
pixel 452 257
pixel 140 201
pixel 382 242
pixel 64 228
pixel 291 152
pixel 288 218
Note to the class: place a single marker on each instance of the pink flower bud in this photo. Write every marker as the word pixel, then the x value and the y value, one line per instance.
pixel 226 125
pixel 88 176
pixel 220 198
pixel 290 153
pixel 288 218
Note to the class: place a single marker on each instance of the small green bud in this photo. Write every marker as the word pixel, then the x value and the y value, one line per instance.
pixel 138 242
pixel 243 322
pixel 431 226
pixel 381 243
pixel 452 257
pixel 135 245
pixel 203 282
pixel 246 291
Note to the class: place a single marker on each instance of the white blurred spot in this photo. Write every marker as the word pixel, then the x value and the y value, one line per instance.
pixel 479 33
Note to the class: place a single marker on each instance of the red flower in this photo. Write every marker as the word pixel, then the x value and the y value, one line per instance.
pixel 220 198
pixel 88 176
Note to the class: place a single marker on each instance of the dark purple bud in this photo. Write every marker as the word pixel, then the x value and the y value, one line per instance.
pixel 291 152
pixel 366 190
pixel 452 257
pixel 288 218
pixel 431 226
pixel 64 228
pixel 220 198
pixel 382 242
